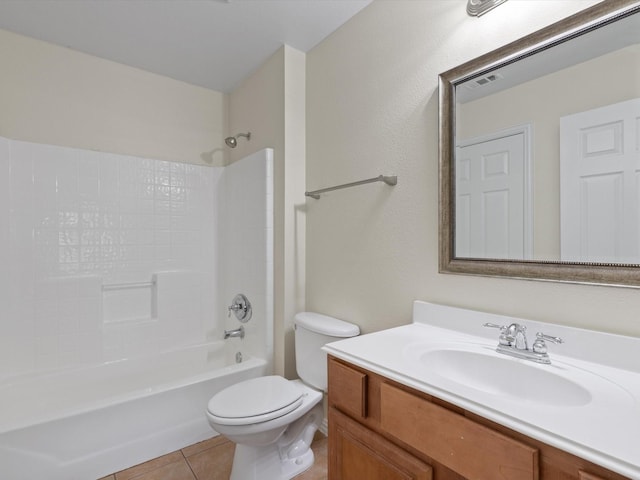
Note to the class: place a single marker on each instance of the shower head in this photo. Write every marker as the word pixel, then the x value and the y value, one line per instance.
pixel 233 141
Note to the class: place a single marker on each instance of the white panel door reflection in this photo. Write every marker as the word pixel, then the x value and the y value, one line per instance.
pixel 600 185
pixel 491 198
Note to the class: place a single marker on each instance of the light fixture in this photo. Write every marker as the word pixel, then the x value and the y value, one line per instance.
pixel 476 8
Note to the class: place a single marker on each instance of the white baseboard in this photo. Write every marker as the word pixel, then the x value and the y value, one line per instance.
pixel 324 428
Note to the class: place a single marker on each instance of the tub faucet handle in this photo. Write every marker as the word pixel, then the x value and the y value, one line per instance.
pixel 241 308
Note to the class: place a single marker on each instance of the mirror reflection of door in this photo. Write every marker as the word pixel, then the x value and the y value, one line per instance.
pixel 493 207
pixel 600 184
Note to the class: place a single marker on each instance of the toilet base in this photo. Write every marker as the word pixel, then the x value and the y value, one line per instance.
pixel 260 463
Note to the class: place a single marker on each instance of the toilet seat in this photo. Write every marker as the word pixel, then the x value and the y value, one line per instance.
pixel 256 400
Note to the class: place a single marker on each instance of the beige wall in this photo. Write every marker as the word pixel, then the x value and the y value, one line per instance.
pixel 372 108
pixel 271 105
pixel 50 94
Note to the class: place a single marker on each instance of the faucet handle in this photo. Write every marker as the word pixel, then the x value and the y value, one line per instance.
pixel 241 308
pixel 549 337
pixel 493 325
pixel 503 340
pixel 539 346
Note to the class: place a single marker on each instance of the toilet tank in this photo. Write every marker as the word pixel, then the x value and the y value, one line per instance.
pixel 312 332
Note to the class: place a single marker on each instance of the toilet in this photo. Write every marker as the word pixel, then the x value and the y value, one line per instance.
pixel 273 420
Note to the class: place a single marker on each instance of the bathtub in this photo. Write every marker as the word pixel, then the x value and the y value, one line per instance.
pixel 84 423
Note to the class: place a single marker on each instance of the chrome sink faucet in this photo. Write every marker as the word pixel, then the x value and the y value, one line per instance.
pixel 513 342
pixel 517 336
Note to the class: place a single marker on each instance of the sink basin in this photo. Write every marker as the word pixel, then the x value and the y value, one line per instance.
pixel 497 374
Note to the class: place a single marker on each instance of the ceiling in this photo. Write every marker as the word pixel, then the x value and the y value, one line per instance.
pixel 211 43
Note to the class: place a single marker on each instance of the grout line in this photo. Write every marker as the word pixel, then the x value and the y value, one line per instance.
pixel 195 476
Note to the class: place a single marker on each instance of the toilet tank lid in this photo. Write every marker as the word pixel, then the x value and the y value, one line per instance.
pixel 326 325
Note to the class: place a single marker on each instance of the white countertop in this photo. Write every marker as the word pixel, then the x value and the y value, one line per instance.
pixel 604 430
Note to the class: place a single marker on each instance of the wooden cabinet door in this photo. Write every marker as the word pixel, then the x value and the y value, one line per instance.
pixel 357 453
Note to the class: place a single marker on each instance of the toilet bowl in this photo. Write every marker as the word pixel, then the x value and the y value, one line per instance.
pixel 273 420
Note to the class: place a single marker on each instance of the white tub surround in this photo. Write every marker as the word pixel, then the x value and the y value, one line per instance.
pixel 117 273
pixel 594 379
pixel 111 256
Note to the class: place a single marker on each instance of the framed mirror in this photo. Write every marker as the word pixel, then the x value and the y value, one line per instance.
pixel 540 154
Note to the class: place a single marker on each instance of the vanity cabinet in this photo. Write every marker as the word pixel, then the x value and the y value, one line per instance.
pixel 380 429
pixel 359 453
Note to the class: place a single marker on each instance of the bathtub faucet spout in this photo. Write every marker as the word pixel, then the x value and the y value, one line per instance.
pixel 238 332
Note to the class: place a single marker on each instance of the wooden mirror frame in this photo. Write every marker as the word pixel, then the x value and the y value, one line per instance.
pixel 591 273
